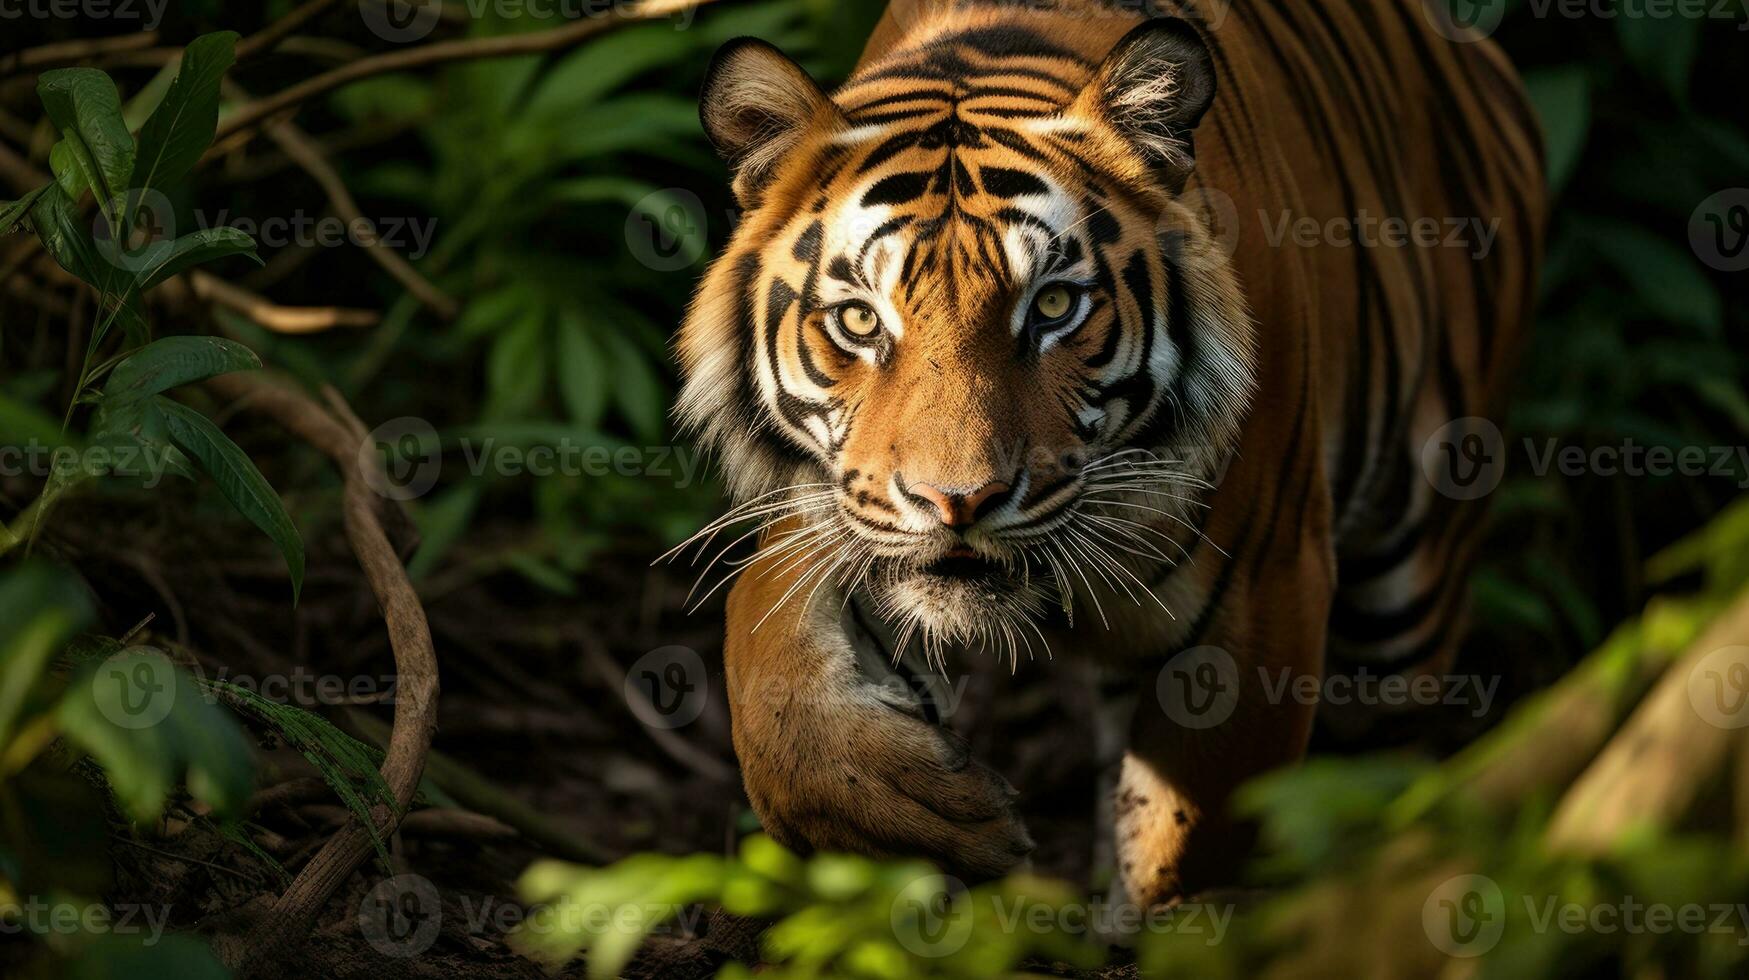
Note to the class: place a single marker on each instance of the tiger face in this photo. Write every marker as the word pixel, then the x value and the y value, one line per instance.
pixel 966 341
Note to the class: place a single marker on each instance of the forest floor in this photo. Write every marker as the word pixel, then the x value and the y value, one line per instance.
pixel 534 699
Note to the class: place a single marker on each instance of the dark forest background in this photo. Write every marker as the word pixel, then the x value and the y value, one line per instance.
pixel 548 214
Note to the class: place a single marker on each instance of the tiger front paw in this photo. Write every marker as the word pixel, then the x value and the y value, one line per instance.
pixel 880 782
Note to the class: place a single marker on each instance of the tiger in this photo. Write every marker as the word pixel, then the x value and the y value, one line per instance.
pixel 1006 351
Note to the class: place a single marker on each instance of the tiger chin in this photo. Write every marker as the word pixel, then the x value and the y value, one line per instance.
pixel 986 370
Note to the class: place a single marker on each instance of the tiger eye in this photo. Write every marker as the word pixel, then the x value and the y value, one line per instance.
pixel 1053 303
pixel 859 320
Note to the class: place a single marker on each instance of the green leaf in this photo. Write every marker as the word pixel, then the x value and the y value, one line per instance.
pixel 163 259
pixel 581 78
pixel 174 361
pixel 86 110
pixel 12 213
pixel 238 479
pixel 41 608
pixel 1562 97
pixel 1662 48
pixel 56 222
pixel 146 723
pixel 138 441
pixel 1664 277
pixel 182 126
pixel 111 956
pixel 636 389
pixel 348 766
pixel 518 368
pixel 582 372
pixel 64 164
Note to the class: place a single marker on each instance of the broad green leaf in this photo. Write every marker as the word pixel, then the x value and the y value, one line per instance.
pixel 112 956
pixel 1562 97
pixel 42 607
pixel 148 725
pixel 167 258
pixel 174 361
pixel 583 371
pixel 598 190
pixel 581 78
pixel 636 389
pixel 442 521
pixel 1662 48
pixel 138 440
pixel 12 213
pixel 1663 276
pixel 238 479
pixel 86 110
pixel 518 367
pixel 68 173
pixel 69 242
pixel 21 422
pixel 649 121
pixel 182 126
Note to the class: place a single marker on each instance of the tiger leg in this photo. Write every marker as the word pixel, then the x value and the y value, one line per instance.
pixel 833 761
pixel 1220 713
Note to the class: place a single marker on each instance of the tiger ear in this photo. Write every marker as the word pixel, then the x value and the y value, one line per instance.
pixel 1153 89
pixel 755 106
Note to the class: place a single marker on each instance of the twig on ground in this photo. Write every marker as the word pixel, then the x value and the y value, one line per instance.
pixel 341 436
pixel 679 749
pixel 481 795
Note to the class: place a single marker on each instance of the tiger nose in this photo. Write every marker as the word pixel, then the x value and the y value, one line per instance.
pixel 961 509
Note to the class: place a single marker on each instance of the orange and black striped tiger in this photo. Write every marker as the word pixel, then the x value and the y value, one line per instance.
pixel 988 373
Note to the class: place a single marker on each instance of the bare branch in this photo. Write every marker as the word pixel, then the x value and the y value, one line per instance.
pixel 74 52
pixel 253 114
pixel 279 319
pixel 268 37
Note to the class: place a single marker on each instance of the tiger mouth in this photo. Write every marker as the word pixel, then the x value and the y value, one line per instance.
pixel 964 564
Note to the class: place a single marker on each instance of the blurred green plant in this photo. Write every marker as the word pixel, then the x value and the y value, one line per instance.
pixel 838 915
pixel 1635 342
pixel 145 729
pixel 136 433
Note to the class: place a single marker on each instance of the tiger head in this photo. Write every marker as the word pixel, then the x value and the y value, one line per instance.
pixel 965 318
